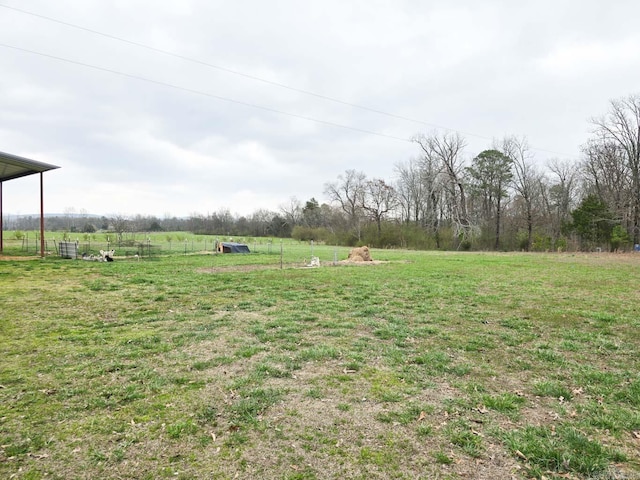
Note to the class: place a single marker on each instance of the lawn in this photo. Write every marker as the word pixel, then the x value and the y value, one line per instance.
pixel 425 365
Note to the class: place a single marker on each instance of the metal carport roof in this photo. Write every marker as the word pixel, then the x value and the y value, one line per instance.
pixel 12 167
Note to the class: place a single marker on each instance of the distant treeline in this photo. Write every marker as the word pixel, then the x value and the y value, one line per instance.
pixel 499 199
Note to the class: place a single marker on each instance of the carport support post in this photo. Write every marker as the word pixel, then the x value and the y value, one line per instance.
pixel 41 215
pixel 1 230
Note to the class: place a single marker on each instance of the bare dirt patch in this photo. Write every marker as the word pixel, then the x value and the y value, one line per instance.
pixel 18 258
pixel 258 267
pixel 337 437
pixel 601 258
pixel 239 268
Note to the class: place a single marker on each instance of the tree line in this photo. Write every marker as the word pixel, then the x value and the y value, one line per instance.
pixel 499 199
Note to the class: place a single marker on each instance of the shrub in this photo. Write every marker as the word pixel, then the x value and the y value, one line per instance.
pixel 619 237
pixel 88 228
pixel 306 234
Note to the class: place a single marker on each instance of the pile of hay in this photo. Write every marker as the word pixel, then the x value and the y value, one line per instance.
pixel 360 254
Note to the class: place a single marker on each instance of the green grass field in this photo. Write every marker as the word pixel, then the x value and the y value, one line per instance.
pixel 145 244
pixel 424 365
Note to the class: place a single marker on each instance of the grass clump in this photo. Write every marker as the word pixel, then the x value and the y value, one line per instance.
pixel 181 428
pixel 412 414
pixel 462 435
pixel 562 450
pixel 442 458
pixel 253 404
pixel 549 388
pixel 507 403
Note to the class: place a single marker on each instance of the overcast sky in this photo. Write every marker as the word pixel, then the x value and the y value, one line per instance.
pixel 136 130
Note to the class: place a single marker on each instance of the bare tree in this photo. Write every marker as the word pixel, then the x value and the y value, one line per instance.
pixel 259 222
pixel 412 194
pixel 292 211
pixel 446 151
pixel 70 213
pixel 606 174
pixel 526 179
pixel 621 127
pixel 348 192
pixel 434 182
pixel 561 194
pixel 378 200
pixel 120 224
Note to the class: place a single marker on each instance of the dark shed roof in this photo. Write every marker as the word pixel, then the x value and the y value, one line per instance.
pixel 232 247
pixel 13 166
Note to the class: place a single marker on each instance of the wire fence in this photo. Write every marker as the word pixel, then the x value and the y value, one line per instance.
pixel 140 245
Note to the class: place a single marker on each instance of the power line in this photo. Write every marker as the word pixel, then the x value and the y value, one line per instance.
pixel 241 74
pixel 258 79
pixel 198 92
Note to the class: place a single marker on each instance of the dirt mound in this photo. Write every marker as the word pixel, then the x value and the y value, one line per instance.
pixel 360 254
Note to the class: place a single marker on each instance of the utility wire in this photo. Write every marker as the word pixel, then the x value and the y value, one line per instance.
pixel 205 94
pixel 263 80
pixel 235 72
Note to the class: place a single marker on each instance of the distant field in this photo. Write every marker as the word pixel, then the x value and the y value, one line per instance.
pixel 144 244
pixel 426 365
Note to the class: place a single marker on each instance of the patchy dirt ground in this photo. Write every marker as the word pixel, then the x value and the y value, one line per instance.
pixel 17 258
pixel 154 375
pixel 256 267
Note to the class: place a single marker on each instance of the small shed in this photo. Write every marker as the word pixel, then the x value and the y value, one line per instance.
pixel 232 247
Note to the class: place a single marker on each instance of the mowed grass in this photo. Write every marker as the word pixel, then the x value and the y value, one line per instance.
pixel 426 365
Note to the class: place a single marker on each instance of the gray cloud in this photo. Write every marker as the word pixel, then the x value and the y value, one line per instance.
pixel 126 145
